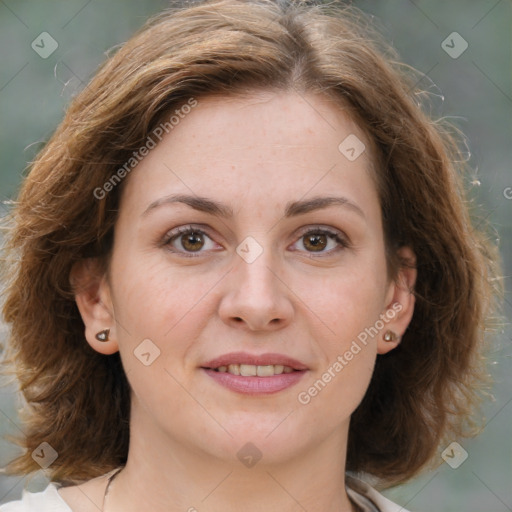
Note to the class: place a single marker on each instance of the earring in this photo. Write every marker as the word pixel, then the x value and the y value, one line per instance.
pixel 390 336
pixel 103 335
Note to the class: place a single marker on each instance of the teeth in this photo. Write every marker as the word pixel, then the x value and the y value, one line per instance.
pixel 265 371
pixel 250 370
pixel 234 369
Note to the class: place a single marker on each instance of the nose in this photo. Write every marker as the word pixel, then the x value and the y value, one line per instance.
pixel 256 298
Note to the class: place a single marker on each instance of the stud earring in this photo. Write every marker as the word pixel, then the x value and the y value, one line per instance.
pixel 390 336
pixel 103 335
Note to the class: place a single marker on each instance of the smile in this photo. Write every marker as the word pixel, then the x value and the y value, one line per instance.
pixel 250 370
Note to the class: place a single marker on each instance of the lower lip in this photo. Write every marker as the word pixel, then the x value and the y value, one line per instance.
pixel 255 385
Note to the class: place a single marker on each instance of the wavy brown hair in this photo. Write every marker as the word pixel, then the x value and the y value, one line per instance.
pixel 421 393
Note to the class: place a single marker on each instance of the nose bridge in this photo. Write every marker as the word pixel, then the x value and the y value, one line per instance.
pixel 256 296
pixel 257 278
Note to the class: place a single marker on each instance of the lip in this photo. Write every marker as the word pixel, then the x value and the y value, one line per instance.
pixel 255 385
pixel 254 359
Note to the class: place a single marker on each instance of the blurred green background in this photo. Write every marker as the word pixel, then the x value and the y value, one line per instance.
pixel 473 90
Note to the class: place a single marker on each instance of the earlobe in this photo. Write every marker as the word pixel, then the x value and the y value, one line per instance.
pixel 92 296
pixel 400 307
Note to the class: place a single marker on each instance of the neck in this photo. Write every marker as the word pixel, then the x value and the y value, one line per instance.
pixel 163 474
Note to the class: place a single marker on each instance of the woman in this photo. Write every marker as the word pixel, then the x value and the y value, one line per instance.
pixel 246 277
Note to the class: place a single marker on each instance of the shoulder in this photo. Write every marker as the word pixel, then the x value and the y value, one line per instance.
pixel 84 497
pixel 368 498
pixel 48 500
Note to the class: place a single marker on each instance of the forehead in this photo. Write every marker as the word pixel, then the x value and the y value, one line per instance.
pixel 261 146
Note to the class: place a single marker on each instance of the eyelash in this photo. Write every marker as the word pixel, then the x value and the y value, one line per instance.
pixel 338 237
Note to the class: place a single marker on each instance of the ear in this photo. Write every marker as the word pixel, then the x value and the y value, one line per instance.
pixel 400 301
pixel 93 298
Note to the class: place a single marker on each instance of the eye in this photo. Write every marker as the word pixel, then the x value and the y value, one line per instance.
pixel 188 240
pixel 322 241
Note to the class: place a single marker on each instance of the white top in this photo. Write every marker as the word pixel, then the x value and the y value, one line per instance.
pixel 49 500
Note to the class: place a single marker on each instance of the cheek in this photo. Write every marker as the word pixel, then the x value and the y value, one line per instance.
pixel 349 301
pixel 153 301
pixel 151 292
pixel 339 383
pixel 350 308
pixel 160 317
pixel 354 309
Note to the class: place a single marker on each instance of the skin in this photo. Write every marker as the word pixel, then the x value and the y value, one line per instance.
pixel 254 154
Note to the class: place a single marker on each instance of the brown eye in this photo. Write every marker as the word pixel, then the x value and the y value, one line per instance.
pixel 193 241
pixel 315 242
pixel 189 241
pixel 321 242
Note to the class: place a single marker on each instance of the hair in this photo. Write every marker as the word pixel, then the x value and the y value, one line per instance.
pixel 424 391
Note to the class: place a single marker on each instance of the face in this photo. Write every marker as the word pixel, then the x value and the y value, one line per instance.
pixel 247 237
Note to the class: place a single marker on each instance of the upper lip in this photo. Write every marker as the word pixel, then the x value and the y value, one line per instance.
pixel 255 359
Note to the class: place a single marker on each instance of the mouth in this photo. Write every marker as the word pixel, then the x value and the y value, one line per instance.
pixel 255 374
pixel 252 365
pixel 251 370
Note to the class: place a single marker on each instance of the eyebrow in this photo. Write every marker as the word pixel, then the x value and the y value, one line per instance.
pixel 206 205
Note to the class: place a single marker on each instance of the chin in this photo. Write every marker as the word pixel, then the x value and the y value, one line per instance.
pixel 268 445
